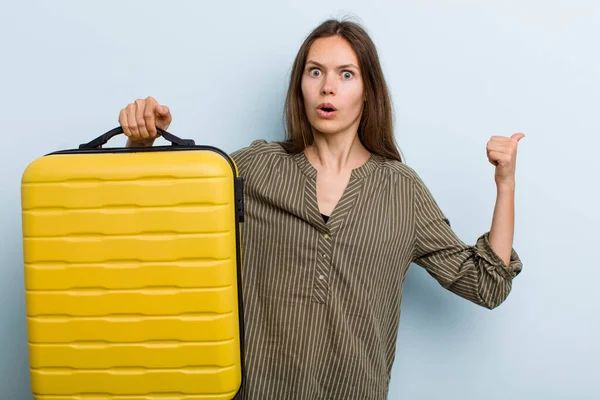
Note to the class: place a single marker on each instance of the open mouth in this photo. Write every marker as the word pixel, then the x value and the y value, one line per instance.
pixel 326 110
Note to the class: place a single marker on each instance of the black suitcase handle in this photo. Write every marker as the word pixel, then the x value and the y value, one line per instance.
pixel 103 139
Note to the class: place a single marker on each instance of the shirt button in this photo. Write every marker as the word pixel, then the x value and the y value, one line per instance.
pixel 321 277
pixel 326 236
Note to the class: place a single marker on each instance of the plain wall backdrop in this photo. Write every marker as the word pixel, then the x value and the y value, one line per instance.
pixel 459 73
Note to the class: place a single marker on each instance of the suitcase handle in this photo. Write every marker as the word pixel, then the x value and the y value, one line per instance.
pixel 103 139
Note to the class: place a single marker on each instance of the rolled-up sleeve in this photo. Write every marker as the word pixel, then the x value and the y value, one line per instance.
pixel 474 272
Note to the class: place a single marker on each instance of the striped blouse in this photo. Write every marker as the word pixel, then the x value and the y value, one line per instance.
pixel 322 299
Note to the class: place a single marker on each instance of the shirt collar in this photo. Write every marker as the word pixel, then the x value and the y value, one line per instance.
pixel 358 173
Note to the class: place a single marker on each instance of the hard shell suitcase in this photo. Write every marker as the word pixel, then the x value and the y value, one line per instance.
pixel 133 272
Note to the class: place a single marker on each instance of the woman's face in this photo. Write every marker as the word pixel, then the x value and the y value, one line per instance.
pixel 332 86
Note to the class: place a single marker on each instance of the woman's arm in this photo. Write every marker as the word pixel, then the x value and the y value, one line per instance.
pixel 482 272
pixel 502 230
pixel 475 272
pixel 502 153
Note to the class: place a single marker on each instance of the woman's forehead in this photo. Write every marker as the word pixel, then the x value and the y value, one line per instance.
pixel 332 52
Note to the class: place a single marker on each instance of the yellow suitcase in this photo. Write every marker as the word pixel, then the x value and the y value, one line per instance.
pixel 133 272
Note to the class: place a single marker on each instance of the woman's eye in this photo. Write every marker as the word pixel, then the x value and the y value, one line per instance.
pixel 347 74
pixel 315 72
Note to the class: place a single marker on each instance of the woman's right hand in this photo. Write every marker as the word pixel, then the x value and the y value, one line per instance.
pixel 140 119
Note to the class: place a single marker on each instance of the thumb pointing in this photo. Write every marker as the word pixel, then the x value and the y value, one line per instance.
pixel 518 136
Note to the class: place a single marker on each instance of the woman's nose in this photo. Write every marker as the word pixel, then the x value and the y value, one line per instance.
pixel 328 86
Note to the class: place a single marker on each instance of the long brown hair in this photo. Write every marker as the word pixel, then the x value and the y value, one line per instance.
pixel 375 130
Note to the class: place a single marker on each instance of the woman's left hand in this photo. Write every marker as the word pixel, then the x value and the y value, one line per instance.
pixel 502 153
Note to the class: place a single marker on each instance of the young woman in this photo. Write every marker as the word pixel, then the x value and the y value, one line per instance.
pixel 334 218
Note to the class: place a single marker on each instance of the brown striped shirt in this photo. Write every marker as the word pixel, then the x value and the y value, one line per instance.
pixel 322 300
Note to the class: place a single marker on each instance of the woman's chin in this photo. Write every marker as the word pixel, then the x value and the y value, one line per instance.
pixel 327 128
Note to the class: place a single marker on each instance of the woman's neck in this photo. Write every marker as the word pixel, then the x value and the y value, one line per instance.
pixel 336 153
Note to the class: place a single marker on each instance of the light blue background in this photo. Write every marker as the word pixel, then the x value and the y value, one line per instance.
pixel 459 72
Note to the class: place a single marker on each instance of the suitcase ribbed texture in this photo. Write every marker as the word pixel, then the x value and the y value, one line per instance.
pixel 131 275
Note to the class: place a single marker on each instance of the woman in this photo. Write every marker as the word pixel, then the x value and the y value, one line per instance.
pixel 333 220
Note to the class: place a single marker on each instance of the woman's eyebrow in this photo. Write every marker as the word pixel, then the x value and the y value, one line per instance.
pixel 339 67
